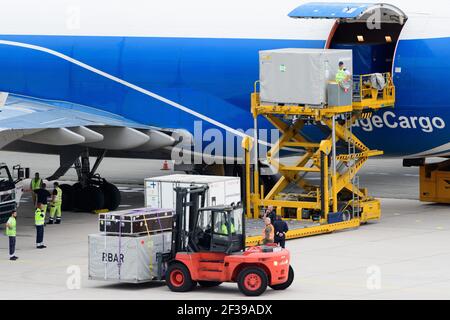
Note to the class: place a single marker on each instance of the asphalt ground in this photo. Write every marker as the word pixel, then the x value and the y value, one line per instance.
pixel 405 255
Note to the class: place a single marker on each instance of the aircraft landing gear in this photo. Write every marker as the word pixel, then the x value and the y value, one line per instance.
pixel 91 192
pixel 97 194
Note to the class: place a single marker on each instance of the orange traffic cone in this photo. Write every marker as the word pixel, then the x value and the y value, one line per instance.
pixel 165 165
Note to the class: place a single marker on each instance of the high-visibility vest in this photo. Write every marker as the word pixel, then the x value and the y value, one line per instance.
pixel 271 233
pixel 225 229
pixel 58 197
pixel 11 230
pixel 341 75
pixel 36 184
pixel 38 219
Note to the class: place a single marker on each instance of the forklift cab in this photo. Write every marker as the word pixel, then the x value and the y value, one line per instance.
pixel 219 229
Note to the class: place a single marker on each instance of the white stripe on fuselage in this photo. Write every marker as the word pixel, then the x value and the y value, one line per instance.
pixel 127 84
pixel 433 152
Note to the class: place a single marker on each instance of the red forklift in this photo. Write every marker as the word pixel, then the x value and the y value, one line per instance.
pixel 208 248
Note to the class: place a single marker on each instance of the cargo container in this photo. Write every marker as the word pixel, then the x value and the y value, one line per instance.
pixel 299 76
pixel 159 191
pixel 126 259
pixel 136 222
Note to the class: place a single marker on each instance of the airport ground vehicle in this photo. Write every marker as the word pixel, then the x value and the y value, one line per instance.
pixel 208 248
pixel 10 190
pixel 320 186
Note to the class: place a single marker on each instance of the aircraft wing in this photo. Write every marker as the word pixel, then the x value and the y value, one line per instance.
pixel 55 123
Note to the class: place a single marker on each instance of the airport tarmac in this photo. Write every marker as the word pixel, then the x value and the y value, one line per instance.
pixel 405 255
pixel 387 177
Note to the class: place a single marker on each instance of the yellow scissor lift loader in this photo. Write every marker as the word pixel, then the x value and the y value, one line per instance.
pixel 336 202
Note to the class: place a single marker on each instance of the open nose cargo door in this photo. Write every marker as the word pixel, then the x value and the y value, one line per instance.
pixel 349 12
pixel 370 30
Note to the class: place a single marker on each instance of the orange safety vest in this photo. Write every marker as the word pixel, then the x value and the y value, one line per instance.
pixel 271 234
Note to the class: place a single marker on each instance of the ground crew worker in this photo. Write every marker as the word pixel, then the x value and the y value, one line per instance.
pixel 270 213
pixel 42 196
pixel 55 205
pixel 35 185
pixel 343 76
pixel 39 221
pixel 268 232
pixel 11 233
pixel 280 228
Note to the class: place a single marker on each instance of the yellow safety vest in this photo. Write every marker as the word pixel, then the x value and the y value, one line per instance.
pixel 58 197
pixel 36 184
pixel 11 230
pixel 340 76
pixel 38 219
pixel 225 229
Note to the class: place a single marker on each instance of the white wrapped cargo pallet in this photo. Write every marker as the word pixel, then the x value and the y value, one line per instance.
pixel 126 259
pixel 299 76
pixel 159 191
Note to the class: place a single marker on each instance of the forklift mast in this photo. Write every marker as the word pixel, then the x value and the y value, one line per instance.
pixel 188 202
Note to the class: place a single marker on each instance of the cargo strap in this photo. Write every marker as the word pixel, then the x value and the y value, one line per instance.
pixel 161 228
pixel 104 250
pixel 150 242
pixel 163 240
pixel 119 263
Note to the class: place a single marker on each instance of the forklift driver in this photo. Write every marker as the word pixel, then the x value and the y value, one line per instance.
pixel 225 229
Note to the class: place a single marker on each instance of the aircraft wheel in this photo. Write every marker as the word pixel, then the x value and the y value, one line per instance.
pixel 209 284
pixel 76 195
pixel 252 281
pixel 67 197
pixel 288 282
pixel 91 198
pixel 4 219
pixel 112 196
pixel 178 278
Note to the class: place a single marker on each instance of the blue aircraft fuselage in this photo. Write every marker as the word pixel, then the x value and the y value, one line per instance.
pixel 215 78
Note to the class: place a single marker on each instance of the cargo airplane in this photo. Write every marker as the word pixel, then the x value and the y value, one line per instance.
pixel 132 78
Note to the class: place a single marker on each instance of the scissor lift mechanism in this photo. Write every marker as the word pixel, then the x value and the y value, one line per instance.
pixel 337 202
